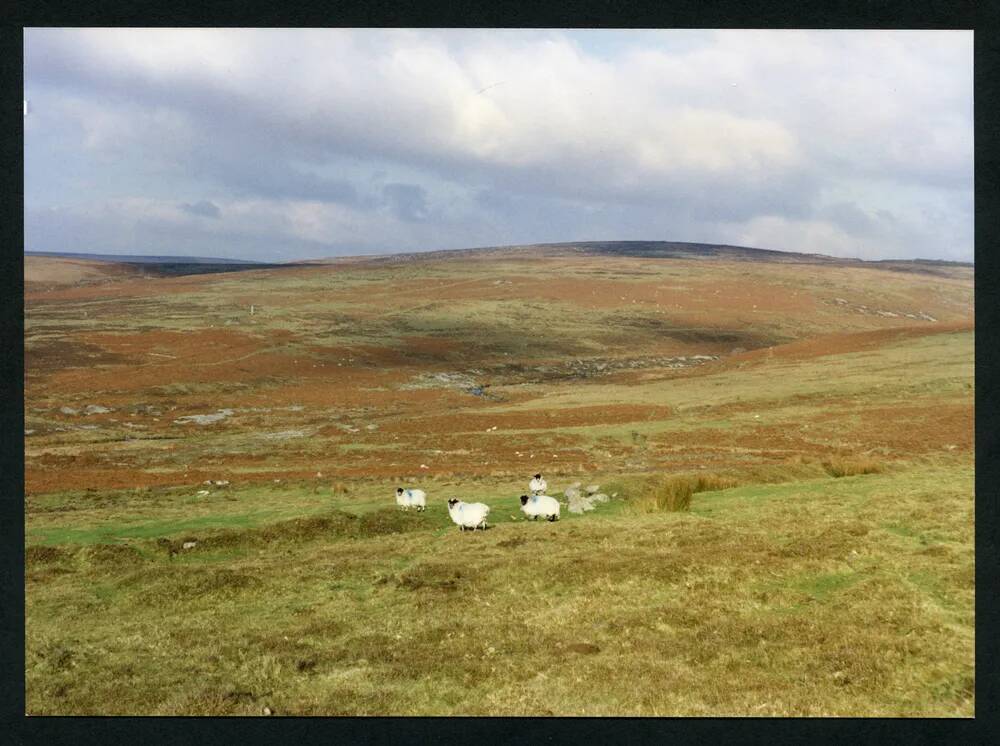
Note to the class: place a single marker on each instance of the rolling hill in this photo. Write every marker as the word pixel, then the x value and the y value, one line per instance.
pixel 786 442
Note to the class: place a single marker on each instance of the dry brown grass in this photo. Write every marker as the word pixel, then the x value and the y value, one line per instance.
pixel 851 467
pixel 671 493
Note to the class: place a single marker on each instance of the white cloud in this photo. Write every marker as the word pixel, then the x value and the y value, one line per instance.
pixel 746 133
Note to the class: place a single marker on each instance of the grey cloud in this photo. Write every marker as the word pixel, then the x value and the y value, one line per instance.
pixel 407 201
pixel 849 217
pixel 203 208
pixel 295 116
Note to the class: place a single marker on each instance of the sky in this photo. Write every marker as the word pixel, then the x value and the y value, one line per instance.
pixel 283 144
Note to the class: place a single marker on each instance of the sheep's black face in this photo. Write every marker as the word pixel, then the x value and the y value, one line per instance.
pixel 524 499
pixel 538 476
pixel 399 490
pixel 453 502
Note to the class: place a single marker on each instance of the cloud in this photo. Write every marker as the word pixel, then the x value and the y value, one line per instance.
pixel 204 208
pixel 407 201
pixel 466 136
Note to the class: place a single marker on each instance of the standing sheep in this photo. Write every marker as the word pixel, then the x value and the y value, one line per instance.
pixel 540 505
pixel 537 485
pixel 406 499
pixel 468 515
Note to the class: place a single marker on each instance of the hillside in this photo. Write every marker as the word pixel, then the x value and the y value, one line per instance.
pixel 816 414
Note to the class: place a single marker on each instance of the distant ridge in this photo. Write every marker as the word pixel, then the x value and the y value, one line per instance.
pixel 666 250
pixel 143 259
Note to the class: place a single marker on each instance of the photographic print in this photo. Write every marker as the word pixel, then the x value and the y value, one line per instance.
pixel 498 372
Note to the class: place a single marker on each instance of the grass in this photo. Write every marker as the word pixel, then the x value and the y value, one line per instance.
pixel 788 537
pixel 852 467
pixel 668 493
pixel 757 612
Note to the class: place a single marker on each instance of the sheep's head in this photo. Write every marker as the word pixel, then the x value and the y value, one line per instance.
pixel 538 476
pixel 452 502
pixel 524 499
pixel 399 490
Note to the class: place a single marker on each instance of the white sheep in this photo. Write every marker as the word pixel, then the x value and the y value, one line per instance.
pixel 540 505
pixel 407 499
pixel 468 515
pixel 537 485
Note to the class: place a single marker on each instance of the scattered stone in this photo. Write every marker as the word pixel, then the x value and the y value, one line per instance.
pixel 202 493
pixel 592 489
pixel 221 483
pixel 189 545
pixel 284 435
pixel 600 497
pixel 204 419
pixel 69 410
pixel 372 426
pixel 29 432
pixel 96 409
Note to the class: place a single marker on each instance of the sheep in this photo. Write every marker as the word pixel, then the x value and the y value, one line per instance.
pixel 540 505
pixel 407 499
pixel 537 485
pixel 468 515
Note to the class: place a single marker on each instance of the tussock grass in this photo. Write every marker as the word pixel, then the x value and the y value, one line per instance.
pixel 669 493
pixel 849 467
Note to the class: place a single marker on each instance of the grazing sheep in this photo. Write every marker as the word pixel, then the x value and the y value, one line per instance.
pixel 540 505
pixel 468 515
pixel 537 485
pixel 407 499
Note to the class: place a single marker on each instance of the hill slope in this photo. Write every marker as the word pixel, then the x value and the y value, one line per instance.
pixel 816 419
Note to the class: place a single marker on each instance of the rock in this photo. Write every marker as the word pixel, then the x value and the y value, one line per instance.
pixel 593 488
pixel 96 409
pixel 285 435
pixel 575 508
pixel 202 493
pixel 189 544
pixel 204 419
pixel 69 410
pixel 600 497
pixel 572 493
